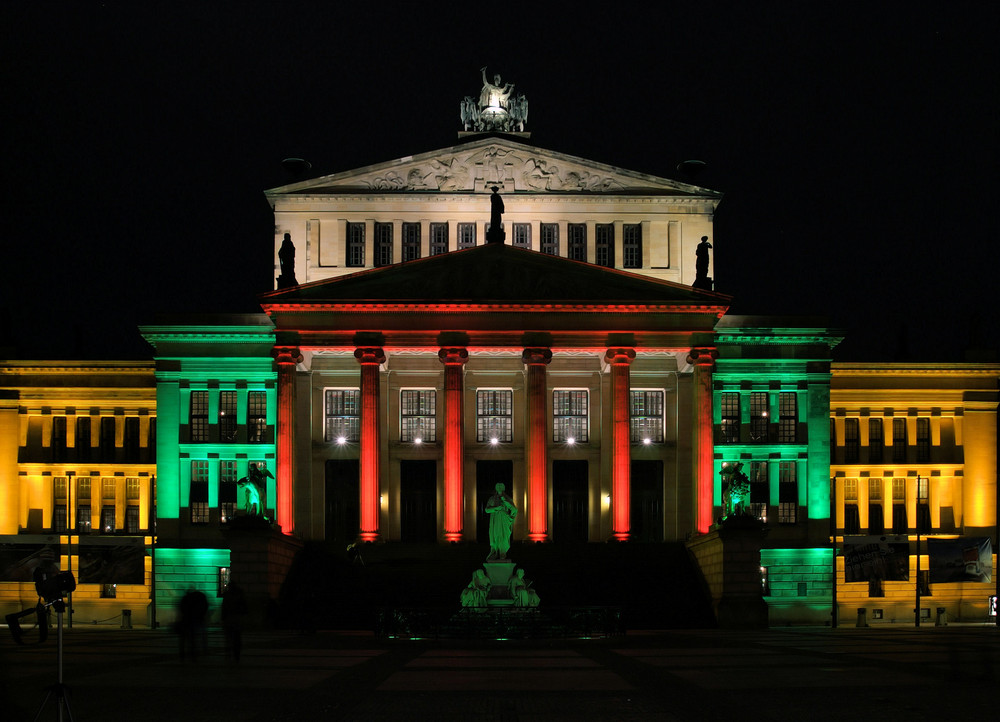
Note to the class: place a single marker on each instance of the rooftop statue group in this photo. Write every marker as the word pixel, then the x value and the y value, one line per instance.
pixel 497 109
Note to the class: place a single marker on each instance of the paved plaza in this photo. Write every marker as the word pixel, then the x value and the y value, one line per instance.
pixel 890 672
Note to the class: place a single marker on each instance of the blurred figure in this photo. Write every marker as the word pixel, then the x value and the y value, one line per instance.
pixel 191 622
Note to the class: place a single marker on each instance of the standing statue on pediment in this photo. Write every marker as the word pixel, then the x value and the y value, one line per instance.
pixel 492 95
pixel 701 279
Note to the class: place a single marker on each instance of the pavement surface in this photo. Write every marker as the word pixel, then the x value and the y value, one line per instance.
pixel 883 673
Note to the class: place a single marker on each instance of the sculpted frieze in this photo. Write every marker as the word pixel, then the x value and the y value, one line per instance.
pixel 492 164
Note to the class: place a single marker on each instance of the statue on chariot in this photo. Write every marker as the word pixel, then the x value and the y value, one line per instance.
pixel 498 108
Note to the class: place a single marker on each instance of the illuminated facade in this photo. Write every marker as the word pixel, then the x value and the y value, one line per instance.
pixel 77 477
pixel 914 448
pixel 414 365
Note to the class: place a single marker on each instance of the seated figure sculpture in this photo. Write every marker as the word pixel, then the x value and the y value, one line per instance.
pixel 475 594
pixel 521 592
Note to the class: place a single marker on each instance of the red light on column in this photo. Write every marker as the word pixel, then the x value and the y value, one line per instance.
pixel 453 360
pixel 536 360
pixel 370 360
pixel 703 360
pixel 287 358
pixel 621 462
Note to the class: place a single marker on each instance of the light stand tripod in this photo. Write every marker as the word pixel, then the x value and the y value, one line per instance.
pixel 59 689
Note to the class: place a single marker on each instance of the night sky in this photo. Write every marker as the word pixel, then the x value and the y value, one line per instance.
pixel 856 145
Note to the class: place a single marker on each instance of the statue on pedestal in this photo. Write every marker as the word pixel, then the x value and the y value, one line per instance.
pixel 286 260
pixel 502 513
pixel 255 490
pixel 496 109
pixel 701 279
pixel 496 233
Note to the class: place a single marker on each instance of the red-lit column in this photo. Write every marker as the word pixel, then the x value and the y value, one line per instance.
pixel 371 436
pixel 703 360
pixel 286 358
pixel 621 462
pixel 536 359
pixel 453 360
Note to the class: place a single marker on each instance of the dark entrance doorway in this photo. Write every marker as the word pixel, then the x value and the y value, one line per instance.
pixel 647 501
pixel 569 501
pixel 343 504
pixel 418 501
pixel 488 474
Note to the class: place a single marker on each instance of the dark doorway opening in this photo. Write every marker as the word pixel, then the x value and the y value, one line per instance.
pixel 647 501
pixel 418 501
pixel 343 503
pixel 488 474
pixel 569 501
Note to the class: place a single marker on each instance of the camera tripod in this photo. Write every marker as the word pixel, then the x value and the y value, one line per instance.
pixel 59 689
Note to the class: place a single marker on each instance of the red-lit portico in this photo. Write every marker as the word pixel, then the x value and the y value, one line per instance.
pixel 471 348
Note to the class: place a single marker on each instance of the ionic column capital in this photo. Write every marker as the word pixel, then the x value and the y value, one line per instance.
pixel 287 354
pixel 536 356
pixel 453 356
pixel 618 356
pixel 370 355
pixel 703 356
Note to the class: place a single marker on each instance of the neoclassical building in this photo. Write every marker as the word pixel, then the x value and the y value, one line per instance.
pixel 411 357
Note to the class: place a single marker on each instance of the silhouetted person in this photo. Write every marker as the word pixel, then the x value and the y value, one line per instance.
pixel 234 611
pixel 496 234
pixel 191 622
pixel 701 279
pixel 286 260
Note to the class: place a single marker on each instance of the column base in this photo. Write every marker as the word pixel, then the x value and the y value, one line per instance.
pixel 368 536
pixel 622 536
pixel 453 536
pixel 538 536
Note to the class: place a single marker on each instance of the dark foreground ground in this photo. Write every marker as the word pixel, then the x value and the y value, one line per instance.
pixel 790 674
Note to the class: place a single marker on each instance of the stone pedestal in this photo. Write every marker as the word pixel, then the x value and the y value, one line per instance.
pixel 499 574
pixel 729 559
pixel 260 560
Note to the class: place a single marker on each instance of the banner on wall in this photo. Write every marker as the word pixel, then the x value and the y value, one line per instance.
pixel 112 560
pixel 966 559
pixel 884 557
pixel 22 554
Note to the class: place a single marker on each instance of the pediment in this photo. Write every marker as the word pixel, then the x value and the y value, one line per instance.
pixel 475 165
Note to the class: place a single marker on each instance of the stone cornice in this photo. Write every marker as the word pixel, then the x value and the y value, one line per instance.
pixel 914 369
pixel 368 307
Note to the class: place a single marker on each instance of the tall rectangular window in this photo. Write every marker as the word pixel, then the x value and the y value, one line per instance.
pixel 923 440
pixel 604 241
pixel 494 415
pixel 466 235
pixel 852 441
pixel 227 491
pixel 899 441
pixel 199 492
pixel 759 421
pixel 550 238
pixel 107 439
pixel 632 245
pixel 343 415
pixel 132 489
pixel 256 416
pixel 730 408
pixel 59 438
pixel 60 499
pixel 356 245
pixel 522 235
pixel 108 498
pixel 788 417
pixel 876 442
pixel 417 415
pixel 83 501
pixel 383 244
pixel 83 440
pixel 760 493
pixel 576 244
pixel 899 520
pixel 646 417
pixel 876 512
pixel 923 505
pixel 439 239
pixel 227 416
pixel 788 493
pixel 411 241
pixel 570 416
pixel 852 515
pixel 131 441
pixel 198 419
